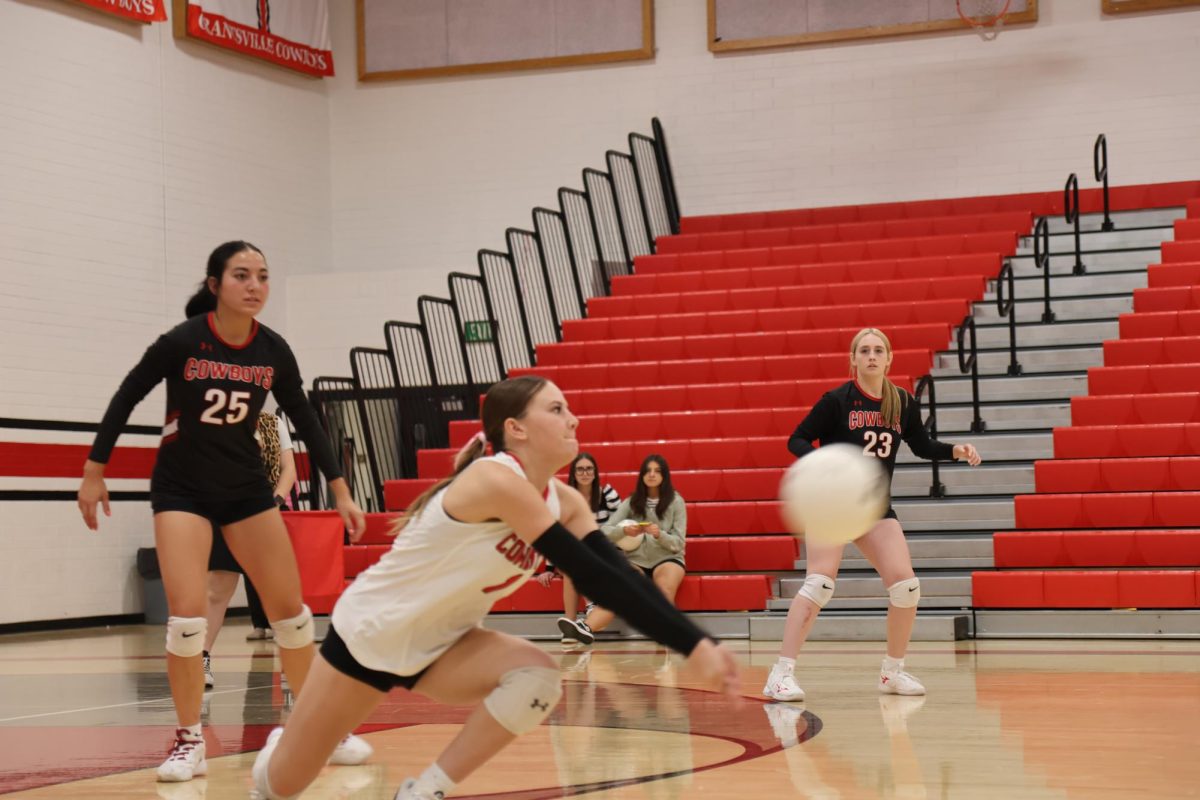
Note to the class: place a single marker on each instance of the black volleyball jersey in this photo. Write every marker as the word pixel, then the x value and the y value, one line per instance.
pixel 848 414
pixel 215 391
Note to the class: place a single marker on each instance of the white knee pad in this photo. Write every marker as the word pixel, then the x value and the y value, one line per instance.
pixel 185 636
pixel 905 594
pixel 819 589
pixel 294 633
pixel 524 698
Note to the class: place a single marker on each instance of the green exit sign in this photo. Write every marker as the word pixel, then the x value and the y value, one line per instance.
pixel 479 331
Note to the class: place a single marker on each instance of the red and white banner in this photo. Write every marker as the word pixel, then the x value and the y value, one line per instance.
pixel 140 10
pixel 291 33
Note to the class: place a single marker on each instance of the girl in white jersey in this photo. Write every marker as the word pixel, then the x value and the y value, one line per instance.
pixel 413 619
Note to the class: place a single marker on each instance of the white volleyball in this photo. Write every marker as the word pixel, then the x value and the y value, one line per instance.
pixel 834 495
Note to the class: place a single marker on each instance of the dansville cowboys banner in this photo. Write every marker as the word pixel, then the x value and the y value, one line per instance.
pixel 291 33
pixel 140 10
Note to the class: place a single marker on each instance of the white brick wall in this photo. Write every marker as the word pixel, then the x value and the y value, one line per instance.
pixel 426 173
pixel 125 156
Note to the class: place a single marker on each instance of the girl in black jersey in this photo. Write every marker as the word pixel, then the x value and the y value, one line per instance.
pixel 869 412
pixel 219 366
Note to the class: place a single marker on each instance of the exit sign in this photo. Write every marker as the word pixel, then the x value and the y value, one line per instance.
pixel 479 331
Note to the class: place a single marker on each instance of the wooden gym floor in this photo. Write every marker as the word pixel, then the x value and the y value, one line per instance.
pixel 87 714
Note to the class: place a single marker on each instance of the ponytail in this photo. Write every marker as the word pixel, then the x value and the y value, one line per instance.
pixel 507 399
pixel 891 406
pixel 468 455
pixel 202 302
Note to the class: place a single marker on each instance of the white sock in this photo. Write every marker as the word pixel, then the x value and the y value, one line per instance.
pixel 786 664
pixel 893 664
pixel 192 732
pixel 433 780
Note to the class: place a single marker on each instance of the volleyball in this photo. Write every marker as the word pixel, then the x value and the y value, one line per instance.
pixel 834 495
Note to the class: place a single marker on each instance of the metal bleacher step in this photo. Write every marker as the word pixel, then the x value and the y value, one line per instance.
pixel 999 479
pixel 1066 309
pixel 960 551
pixel 1095 262
pixel 955 420
pixel 997 446
pixel 1032 361
pixel 1033 288
pixel 1038 334
pixel 1122 220
pixel 957 388
pixel 955 514
pixel 867 585
pixel 932 625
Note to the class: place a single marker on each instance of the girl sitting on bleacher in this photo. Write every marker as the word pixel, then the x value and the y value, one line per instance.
pixel 584 477
pixel 651 527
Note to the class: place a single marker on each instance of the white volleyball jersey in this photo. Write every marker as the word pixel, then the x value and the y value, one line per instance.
pixel 439 580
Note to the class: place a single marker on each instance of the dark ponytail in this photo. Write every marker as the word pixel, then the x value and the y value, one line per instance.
pixel 205 299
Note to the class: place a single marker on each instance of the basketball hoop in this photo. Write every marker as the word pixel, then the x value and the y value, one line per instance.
pixel 986 17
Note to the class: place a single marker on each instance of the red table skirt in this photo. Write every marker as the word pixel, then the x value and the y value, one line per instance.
pixel 317 539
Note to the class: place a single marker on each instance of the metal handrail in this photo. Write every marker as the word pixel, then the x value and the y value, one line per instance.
pixel 936 488
pixel 1010 309
pixel 971 364
pixel 1041 260
pixel 1100 163
pixel 1071 215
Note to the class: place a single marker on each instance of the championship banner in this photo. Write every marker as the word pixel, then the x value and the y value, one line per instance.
pixel 140 10
pixel 290 33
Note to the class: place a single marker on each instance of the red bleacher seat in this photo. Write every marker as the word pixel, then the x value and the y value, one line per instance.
pixel 1008 589
pixel 1080 589
pixel 358 557
pixel 1177 272
pixel 1193 209
pixel 1086 548
pixel 1144 379
pixel 1129 409
pixel 1127 441
pixel 379 526
pixel 1172 298
pixel 1157 589
pixel 1173 252
pixel 1118 474
pixel 1188 228
pixel 1142 324
pixel 1107 510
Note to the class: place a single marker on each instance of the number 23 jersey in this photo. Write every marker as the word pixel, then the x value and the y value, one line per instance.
pixel 848 414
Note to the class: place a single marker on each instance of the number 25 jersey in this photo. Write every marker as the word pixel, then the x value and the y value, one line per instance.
pixel 848 414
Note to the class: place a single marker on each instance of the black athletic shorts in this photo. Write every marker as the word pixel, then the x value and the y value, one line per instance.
pixel 223 512
pixel 891 514
pixel 649 571
pixel 334 650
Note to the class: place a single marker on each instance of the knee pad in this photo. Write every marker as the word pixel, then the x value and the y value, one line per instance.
pixel 524 698
pixel 294 633
pixel 185 636
pixel 905 594
pixel 819 589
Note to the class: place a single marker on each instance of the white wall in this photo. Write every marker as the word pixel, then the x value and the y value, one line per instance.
pixel 125 156
pixel 427 172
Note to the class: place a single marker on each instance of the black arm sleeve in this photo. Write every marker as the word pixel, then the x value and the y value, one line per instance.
pixel 918 438
pixel 618 588
pixel 288 389
pixel 155 365
pixel 821 419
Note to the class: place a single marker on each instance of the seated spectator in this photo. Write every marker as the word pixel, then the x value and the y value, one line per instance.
pixel 585 478
pixel 651 527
